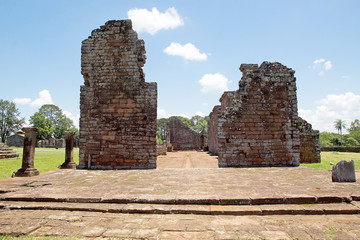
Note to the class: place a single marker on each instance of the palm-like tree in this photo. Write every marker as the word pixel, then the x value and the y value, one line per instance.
pixel 340 125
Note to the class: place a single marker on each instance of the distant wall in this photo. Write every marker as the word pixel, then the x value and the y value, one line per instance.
pixel 15 140
pixel 51 143
pixel 309 143
pixel 341 149
pixel 182 137
pixel 213 130
pixel 161 149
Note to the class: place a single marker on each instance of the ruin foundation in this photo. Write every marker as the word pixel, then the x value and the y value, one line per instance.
pixel 117 107
pixel 257 125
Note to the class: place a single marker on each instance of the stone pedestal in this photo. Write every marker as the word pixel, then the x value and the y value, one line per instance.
pixel 69 162
pixel 27 169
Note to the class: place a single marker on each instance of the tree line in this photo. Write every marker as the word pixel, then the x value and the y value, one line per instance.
pixel 328 139
pixel 49 119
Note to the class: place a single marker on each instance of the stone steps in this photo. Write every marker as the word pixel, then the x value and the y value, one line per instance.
pixel 7 152
pixel 184 201
pixel 235 210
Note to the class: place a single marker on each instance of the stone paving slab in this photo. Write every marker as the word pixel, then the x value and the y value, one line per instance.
pixel 40 223
pixel 184 186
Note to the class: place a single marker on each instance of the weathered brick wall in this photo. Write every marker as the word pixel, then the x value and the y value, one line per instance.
pixel 16 140
pixel 161 149
pixel 258 122
pixel 181 137
pixel 51 143
pixel 213 130
pixel 117 106
pixel 309 143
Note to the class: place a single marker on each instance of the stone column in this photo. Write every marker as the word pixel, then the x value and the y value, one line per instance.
pixel 27 169
pixel 69 162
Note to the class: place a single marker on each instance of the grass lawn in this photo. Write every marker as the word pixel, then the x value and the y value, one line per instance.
pixel 334 157
pixel 46 159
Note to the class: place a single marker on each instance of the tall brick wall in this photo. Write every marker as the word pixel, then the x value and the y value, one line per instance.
pixel 117 107
pixel 213 130
pixel 309 143
pixel 182 137
pixel 257 125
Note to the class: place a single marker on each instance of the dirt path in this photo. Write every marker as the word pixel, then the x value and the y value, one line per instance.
pixel 187 159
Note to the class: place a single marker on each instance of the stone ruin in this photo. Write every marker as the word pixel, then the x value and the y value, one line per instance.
pixel 181 137
pixel 117 107
pixel 309 143
pixel 258 125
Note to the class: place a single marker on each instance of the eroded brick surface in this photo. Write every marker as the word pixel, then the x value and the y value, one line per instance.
pixel 258 125
pixel 213 130
pixel 182 137
pixel 117 106
pixel 309 143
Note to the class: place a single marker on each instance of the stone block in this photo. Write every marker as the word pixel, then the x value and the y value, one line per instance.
pixel 344 171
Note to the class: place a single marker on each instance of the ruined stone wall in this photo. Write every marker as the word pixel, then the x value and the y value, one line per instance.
pixel 213 130
pixel 309 143
pixel 161 149
pixel 181 137
pixel 16 140
pixel 258 122
pixel 51 143
pixel 117 107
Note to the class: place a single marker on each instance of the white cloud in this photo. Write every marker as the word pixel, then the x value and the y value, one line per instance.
pixel 343 106
pixel 217 83
pixel 321 65
pixel 318 61
pixel 44 98
pixel 205 104
pixel 151 22
pixel 75 118
pixel 201 114
pixel 22 101
pixel 161 113
pixel 187 51
pixel 328 65
pixel 345 77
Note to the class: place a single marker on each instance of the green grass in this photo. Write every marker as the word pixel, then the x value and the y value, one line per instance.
pixel 46 159
pixel 334 157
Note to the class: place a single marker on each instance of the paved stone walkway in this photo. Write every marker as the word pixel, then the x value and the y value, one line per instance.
pixel 187 159
pixel 263 202
pixel 177 226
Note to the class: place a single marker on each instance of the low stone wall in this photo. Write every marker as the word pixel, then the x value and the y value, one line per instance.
pixel 16 140
pixel 161 149
pixel 355 149
pixel 51 143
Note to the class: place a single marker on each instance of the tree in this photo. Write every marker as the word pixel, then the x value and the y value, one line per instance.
pixel 340 125
pixel 51 122
pixel 355 125
pixel 10 121
pixel 200 124
pixel 45 129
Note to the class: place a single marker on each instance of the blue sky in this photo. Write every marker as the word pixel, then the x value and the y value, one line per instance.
pixel 194 50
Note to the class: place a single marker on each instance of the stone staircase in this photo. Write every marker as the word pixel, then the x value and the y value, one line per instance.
pixel 6 152
pixel 329 205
